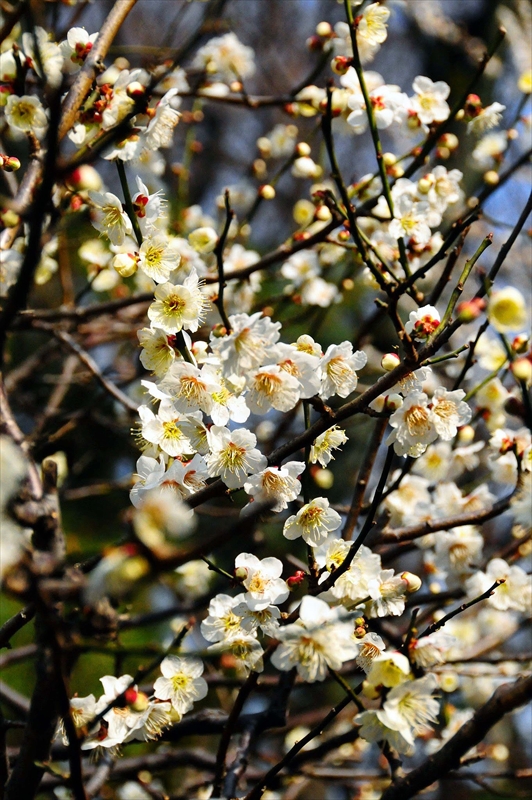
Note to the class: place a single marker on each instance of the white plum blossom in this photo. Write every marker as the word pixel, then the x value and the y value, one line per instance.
pixel 413 425
pixel 223 619
pixel 338 367
pixel 313 522
pixel 160 130
pixel 430 100
pixel 226 58
pixel 389 105
pixel 150 473
pixel 178 306
pixel 449 412
pixel 76 48
pixel 185 477
pixel 110 218
pixel 276 485
pixel 325 443
pixel 272 387
pixel 262 581
pixel 303 366
pixel 410 219
pixel 248 344
pixel 164 429
pixel 371 26
pixel 488 118
pixel 317 641
pixel 233 455
pixel 514 594
pixel 157 354
pixel 181 682
pixel 26 113
pixel 158 258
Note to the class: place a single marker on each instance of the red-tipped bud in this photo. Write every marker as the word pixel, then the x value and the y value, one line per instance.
pixel 340 64
pixel 295 579
pixel 470 310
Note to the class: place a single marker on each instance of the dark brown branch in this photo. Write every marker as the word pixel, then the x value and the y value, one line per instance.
pixel 507 697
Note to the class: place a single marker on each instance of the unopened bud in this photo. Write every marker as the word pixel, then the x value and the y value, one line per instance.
pixel 9 218
pixel 449 140
pixel 359 622
pixel 323 213
pixel 512 134
pixel 324 29
pixel 264 145
pixel 240 574
pixel 520 343
pixel 267 192
pixel 323 478
pixel 10 163
pixel 303 149
pixel 259 167
pixel 340 64
pixel 126 264
pixel 522 370
pixel 136 89
pixel 466 434
pixel 130 695
pixel 84 178
pixel 219 330
pixel 140 703
pixel 413 582
pixel 236 86
pixel 203 240
pixel 393 402
pixel 491 177
pixel 370 691
pixel 443 153
pixel 360 632
pixel 389 159
pixel 343 236
pixel 390 361
pixel 425 183
pixel 295 579
pixel 315 43
pixel 470 310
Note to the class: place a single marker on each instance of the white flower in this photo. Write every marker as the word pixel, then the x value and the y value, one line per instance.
pixel 248 344
pixel 458 549
pixel 338 370
pixel 233 455
pixel 245 649
pixel 149 723
pixel 164 429
pixel 488 118
pixel 267 619
pixel 110 218
pixel 410 220
pixel 188 386
pixel 262 581
pixel 158 257
pixel 313 522
pixel 325 443
pixel 389 105
pixel 49 57
pixel 223 620
pixel 489 150
pixel 120 103
pixel 414 426
pixel 316 642
pixel 318 292
pixel 160 130
pixel 410 706
pixel 186 477
pixel 449 412
pixel 507 310
pixel 301 266
pixel 150 473
pixel 272 387
pixel 371 645
pixel 305 167
pixel 429 102
pixel 277 485
pixel 372 24
pixel 157 355
pixel 10 264
pixel 26 113
pixel 374 727
pixel 301 365
pixel 76 48
pixel 352 587
pixel 181 682
pixel 226 58
pixel 515 594
pixel 389 669
pixel 178 306
pixel 388 594
pixel 430 650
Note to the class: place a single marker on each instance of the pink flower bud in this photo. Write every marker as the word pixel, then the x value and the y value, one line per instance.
pixel 390 361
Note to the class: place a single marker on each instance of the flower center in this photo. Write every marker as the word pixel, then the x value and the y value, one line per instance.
pixel 417 420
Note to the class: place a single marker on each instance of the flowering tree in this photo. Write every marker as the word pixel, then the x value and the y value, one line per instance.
pixel 318 586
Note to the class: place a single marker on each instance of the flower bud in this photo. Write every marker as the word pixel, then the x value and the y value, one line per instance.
pixel 390 361
pixel 126 264
pixel 136 89
pixel 340 64
pixel 203 240
pixel 303 149
pixel 413 582
pixel 267 192
pixel 393 402
pixel 84 178
pixel 360 632
pixel 264 146
pixel 449 140
pixel 130 695
pixel 470 310
pixel 323 478
pixel 324 29
pixel 323 213
pixel 9 218
pixel 140 703
pixel 344 236
pixel 315 43
pixel 520 343
pixel 466 434
pixel 425 184
pixel 370 691
pixel 240 574
pixel 522 370
pixel 389 159
pixel 10 163
pixel 295 579
pixel 491 177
